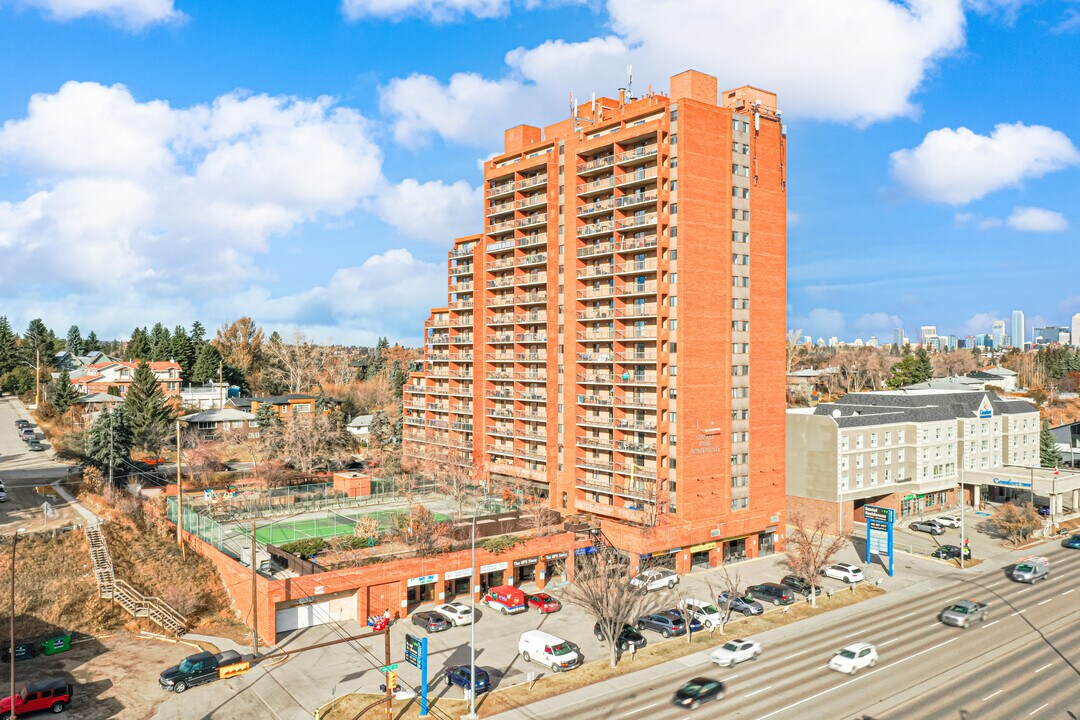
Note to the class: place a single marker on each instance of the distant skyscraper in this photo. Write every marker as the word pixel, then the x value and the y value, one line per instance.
pixel 1074 336
pixel 898 337
pixel 926 332
pixel 1017 333
pixel 873 341
pixel 998 333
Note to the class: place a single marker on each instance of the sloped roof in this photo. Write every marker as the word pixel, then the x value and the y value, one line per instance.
pixel 215 415
pixel 361 421
pixel 879 408
pixel 99 398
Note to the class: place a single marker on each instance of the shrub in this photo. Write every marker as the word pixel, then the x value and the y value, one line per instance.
pixel 306 548
pixel 500 544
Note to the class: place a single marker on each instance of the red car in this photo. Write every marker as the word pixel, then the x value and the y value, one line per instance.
pixel 543 603
pixel 52 694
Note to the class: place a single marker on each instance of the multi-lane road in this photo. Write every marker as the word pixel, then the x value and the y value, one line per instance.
pixel 1024 661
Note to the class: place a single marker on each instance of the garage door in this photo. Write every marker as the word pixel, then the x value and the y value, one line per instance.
pixel 329 608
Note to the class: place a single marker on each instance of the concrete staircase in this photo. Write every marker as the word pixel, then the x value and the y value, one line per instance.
pixel 115 589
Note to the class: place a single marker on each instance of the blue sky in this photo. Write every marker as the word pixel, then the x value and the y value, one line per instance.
pixel 308 163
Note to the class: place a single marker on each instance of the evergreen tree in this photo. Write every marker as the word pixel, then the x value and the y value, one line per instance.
pixel 110 439
pixel 182 350
pixel 149 409
pixel 903 372
pixel 160 343
pixel 198 335
pixel 207 363
pixel 91 343
pixel 322 402
pixel 9 348
pixel 74 341
pixel 1049 455
pixel 381 432
pixel 266 417
pixel 38 338
pixel 924 369
pixel 139 346
pixel 377 361
pixel 63 393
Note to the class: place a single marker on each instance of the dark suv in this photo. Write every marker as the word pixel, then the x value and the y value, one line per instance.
pixel 775 593
pixel 663 623
pixel 627 638
pixel 799 585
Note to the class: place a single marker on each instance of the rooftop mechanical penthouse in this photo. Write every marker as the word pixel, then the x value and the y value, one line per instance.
pixel 615 336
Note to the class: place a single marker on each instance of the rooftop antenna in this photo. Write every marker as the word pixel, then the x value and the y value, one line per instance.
pixel 594 105
pixel 573 112
pixel 630 81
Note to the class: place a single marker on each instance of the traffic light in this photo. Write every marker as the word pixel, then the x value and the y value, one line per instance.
pixel 391 681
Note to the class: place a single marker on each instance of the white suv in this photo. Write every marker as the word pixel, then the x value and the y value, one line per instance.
pixel 844 571
pixel 853 658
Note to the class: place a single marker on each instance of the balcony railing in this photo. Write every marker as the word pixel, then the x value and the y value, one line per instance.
pixel 596 271
pixel 501 263
pixel 643 310
pixel 596 419
pixel 636 356
pixel 637 333
pixel 604 248
pixel 462 339
pixel 532 279
pixel 533 220
pixel 532 201
pixel 531 377
pixel 532 357
pixel 636 425
pixel 603 313
pixel 636 401
pixel 533 259
pixel 638 471
pixel 597 164
pixel 534 415
pixel 531 318
pixel 532 239
pixel 596 292
pixel 501 338
pixel 533 181
pixel 501 245
pixel 533 298
pixel 502 282
pixel 596 186
pixel 501 300
pixel 531 337
pixel 636 221
pixel 628 378
pixel 596 442
pixel 637 198
pixel 595 378
pixel 596 357
pixel 501 319
pixel 499 209
pixel 647 265
pixel 500 189
pixel 604 335
pixel 635 154
pixel 500 449
pixel 634 447
pixel 595 207
pixel 639 175
pixel 595 228
pixel 636 244
pixel 500 227
pixel 645 288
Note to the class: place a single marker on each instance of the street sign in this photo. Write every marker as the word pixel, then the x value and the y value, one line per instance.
pixel 388 668
pixel 412 650
pixel 879 533
pixel 873 512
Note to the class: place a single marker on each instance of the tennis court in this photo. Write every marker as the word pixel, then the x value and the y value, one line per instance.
pixel 325 527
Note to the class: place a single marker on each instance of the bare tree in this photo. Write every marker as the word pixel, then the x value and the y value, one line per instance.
pixel 418 527
pixel 536 511
pixel 729 590
pixel 464 486
pixel 1016 522
pixel 601 590
pixel 368 528
pixel 811 551
pixel 310 440
pixel 954 363
pixel 793 348
pixel 297 364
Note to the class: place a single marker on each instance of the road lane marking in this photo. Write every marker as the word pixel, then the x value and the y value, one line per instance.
pixel 993 623
pixel 853 633
pixel 999 582
pixel 729 679
pixel 823 666
pixel 908 615
pixel 1068 591
pixel 887 642
pixel 1044 601
pixel 1043 668
pixel 1019 612
pixel 801 652
pixel 751 694
pixel 858 678
pixel 992 695
pixel 640 709
pixel 1037 709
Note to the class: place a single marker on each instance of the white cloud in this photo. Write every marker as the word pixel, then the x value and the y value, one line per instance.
pixel 436 10
pixel 980 323
pixel 856 61
pixel 989 223
pixel 132 14
pixel 1070 22
pixel 958 166
pixel 1033 219
pixel 880 324
pixel 433 210
pixel 820 322
pixel 963 218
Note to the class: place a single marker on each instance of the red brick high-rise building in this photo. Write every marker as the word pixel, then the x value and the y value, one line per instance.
pixel 616 336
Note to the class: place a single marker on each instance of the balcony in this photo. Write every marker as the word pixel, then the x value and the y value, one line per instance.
pixel 533 434
pixel 461 287
pixel 637 401
pixel 602 335
pixel 438 339
pixel 415 421
pixel 595 378
pixel 597 206
pixel 536 453
pixel 460 409
pixel 596 249
pixel 503 282
pixel 601 400
pixel 637 221
pixel 648 426
pixel 600 313
pixel 533 259
pixel 642 197
pixel 531 318
pixel 462 391
pixel 596 465
pixel 641 175
pixel 496 412
pixel 637 333
pixel 531 377
pixel 413 405
pixel 507 450
pixel 461 426
pixel 628 378
pixel 461 252
pixel 532 201
pixel 439 407
pixel 634 447
pixel 504 188
pixel 502 429
pixel 500 357
pixel 531 239
pixel 500 375
pixel 501 245
pixel 501 300
pixel 462 374
pixel 501 227
pixel 460 357
pixel 596 187
pixel 595 357
pixel 501 264
pixel 636 244
pixel 500 338
pixel 462 323
pixel 534 181
pixel 592 166
pixel 439 390
pixel 596 420
pixel 415 389
pixel 644 288
pixel 463 269
pixel 603 291
pixel 635 356
pixel 532 396
pixel 536 278
pixel 460 305
pixel 533 220
pixel 643 310
pixel 532 357
pixel 533 415
pixel 501 319
pixel 603 443
pixel 636 155
pixel 462 339
pixel 595 228
pixel 500 208
pixel 637 471
pixel 531 337
pixel 636 266
pixel 596 271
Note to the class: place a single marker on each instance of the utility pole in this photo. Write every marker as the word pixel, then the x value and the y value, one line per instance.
pixel 112 445
pixel 221 385
pixel 179 497
pixel 254 596
pixel 389 694
pixel 37 392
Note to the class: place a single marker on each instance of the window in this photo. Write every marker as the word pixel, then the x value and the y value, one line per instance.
pixel 674 232
pixel 674 254
pixel 674 277
pixel 674 115
pixel 858 442
pixel 673 324
pixel 673 301
pixel 674 185
pixel 674 208
pixel 674 138
pixel 674 163
pixel 673 371
pixel 740 503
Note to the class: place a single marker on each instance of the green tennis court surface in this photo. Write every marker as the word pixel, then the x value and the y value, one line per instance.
pixel 327 527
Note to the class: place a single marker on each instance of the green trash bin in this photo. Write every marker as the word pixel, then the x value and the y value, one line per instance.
pixel 59 644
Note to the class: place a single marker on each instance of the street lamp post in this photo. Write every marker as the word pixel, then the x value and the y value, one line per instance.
pixel 963 543
pixel 472 625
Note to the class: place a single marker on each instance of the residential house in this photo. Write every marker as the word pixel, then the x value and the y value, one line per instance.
pixel 291 404
pixel 211 423
pixel 360 426
pixel 99 377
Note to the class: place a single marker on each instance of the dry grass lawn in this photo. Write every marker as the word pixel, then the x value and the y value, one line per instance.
pixel 515 696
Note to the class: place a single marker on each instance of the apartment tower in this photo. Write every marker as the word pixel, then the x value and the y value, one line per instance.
pixel 615 339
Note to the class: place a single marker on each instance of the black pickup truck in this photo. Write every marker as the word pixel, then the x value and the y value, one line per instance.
pixel 196 669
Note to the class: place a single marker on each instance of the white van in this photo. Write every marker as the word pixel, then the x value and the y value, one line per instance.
pixel 546 649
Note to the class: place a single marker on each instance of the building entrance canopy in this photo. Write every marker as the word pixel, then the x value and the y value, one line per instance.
pixel 1020 478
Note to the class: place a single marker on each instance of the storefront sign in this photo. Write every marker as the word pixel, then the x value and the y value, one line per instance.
pixel 585 550
pixel 493 567
pixel 425 580
pixel 1010 483
pixel 884 514
pixel 556 556
pixel 702 547
pixel 662 553
pixel 526 561
pixel 319 589
pixel 455 574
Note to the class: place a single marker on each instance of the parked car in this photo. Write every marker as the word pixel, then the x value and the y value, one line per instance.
pixel 430 621
pixel 844 571
pixel 507 599
pixel 964 612
pixel 459 675
pixel 746 604
pixel 928 526
pixel 655 579
pixel 664 623
pixel 950 552
pixel 197 669
pixel 1031 569
pixel 543 603
pixel 35 446
pixel 20 424
pixel 49 694
pixel 799 585
pixel 1071 542
pixel 1044 510
pixel 705 612
pixel 735 651
pixel 629 637
pixel 546 649
pixel 697 691
pixel 773 592
pixel 952 521
pixel 853 658
pixel 27 434
pixel 457 613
